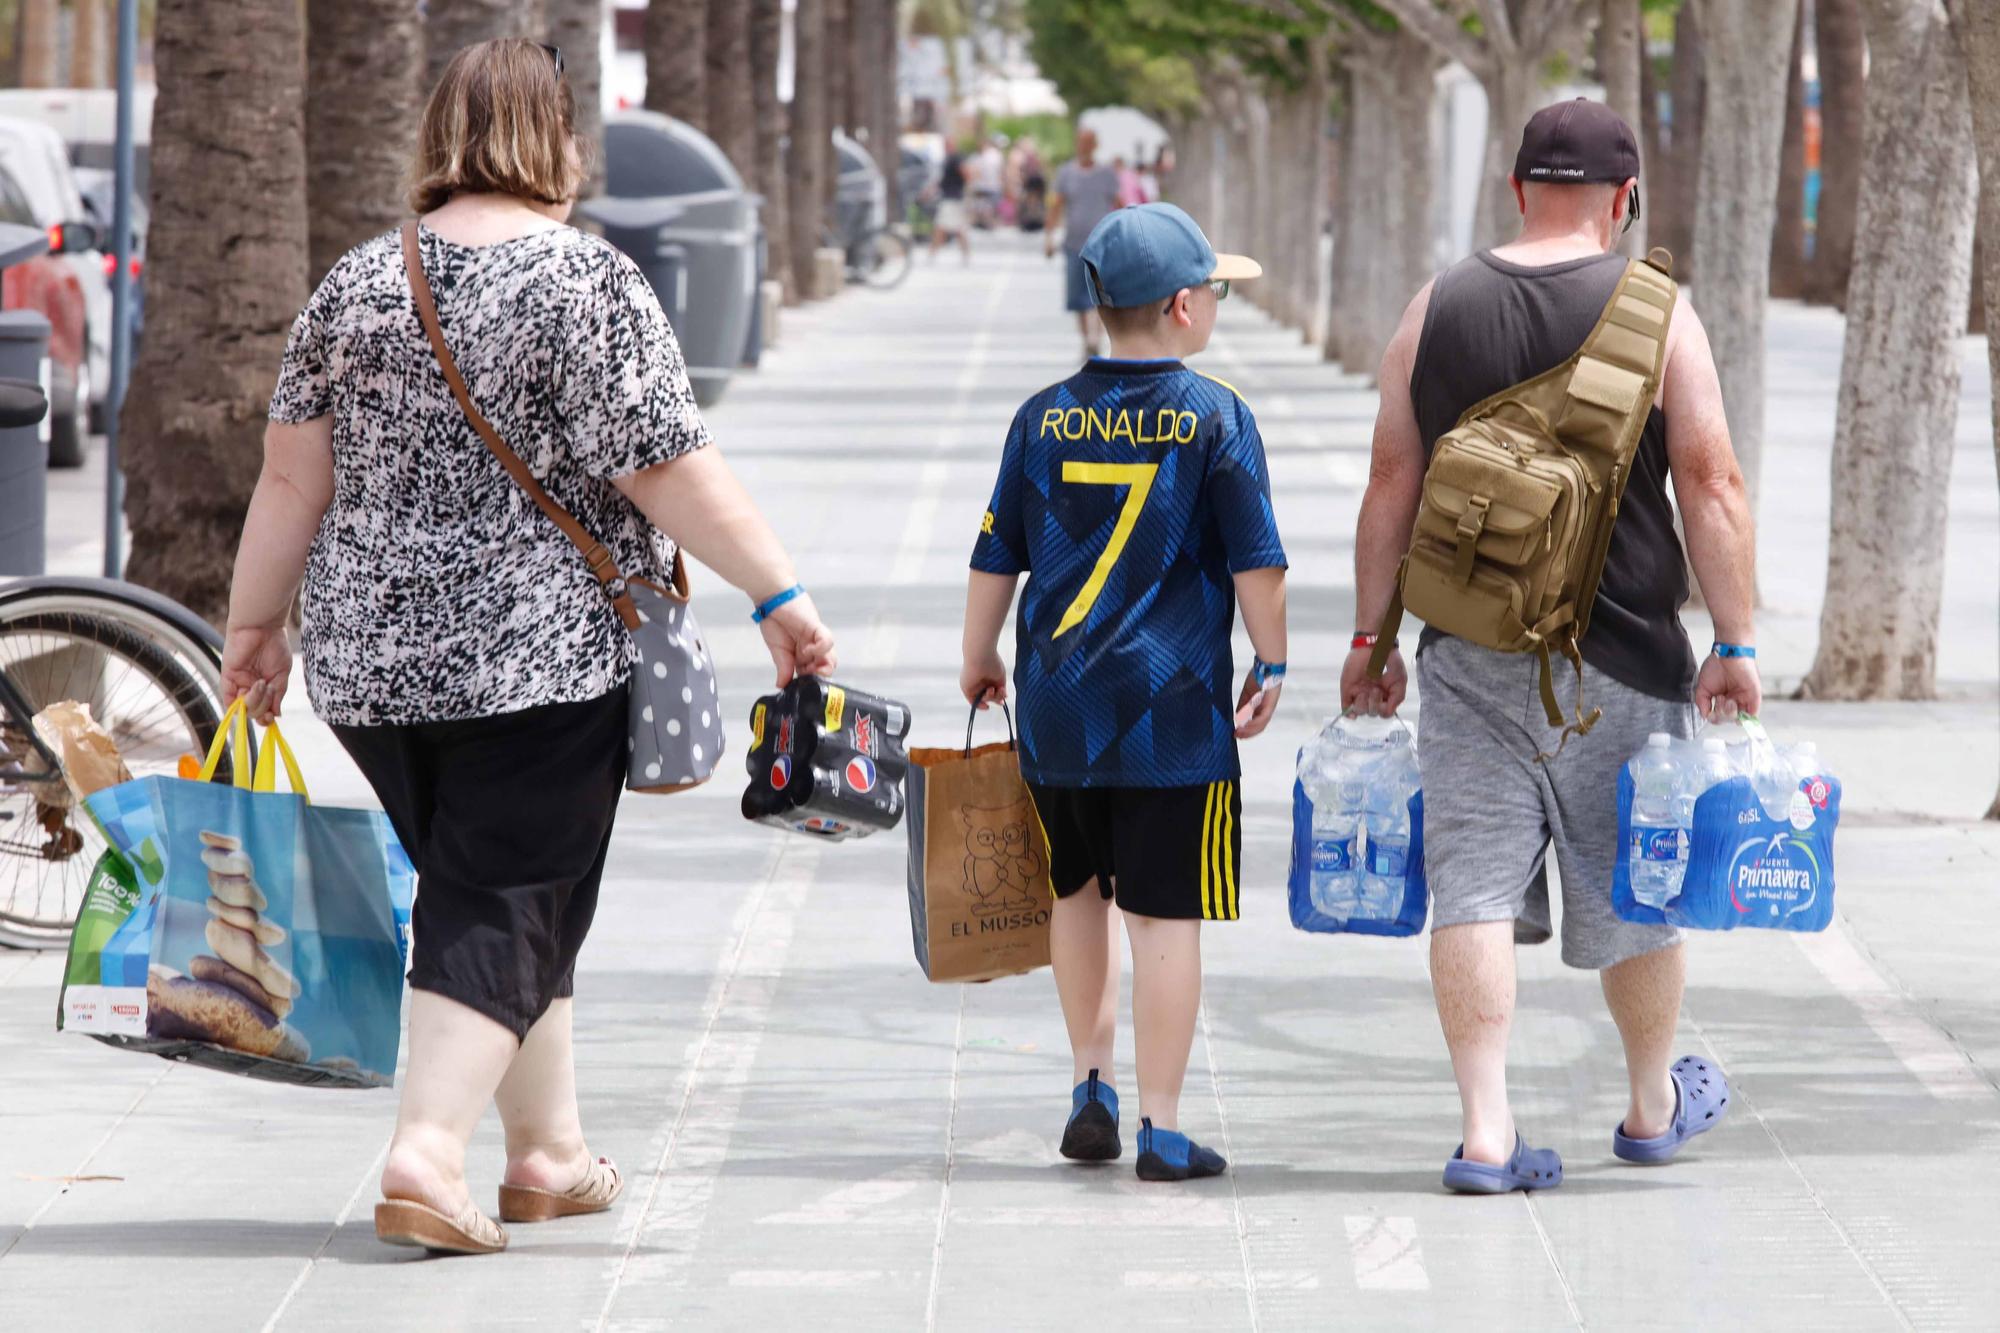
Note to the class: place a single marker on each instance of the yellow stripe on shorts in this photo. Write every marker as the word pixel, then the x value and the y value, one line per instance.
pixel 1207 827
pixel 1229 835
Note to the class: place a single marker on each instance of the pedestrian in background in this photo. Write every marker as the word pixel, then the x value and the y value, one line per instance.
pixel 456 641
pixel 953 220
pixel 1500 788
pixel 1085 191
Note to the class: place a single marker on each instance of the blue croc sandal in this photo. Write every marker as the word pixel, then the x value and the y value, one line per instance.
pixel 1167 1155
pixel 1528 1169
pixel 1092 1132
pixel 1701 1099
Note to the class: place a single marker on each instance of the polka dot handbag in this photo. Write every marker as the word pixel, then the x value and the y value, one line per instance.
pixel 676 725
pixel 676 731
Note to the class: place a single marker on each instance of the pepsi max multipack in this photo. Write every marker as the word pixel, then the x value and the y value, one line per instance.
pixel 826 760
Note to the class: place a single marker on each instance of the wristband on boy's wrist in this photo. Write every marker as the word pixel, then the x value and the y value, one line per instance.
pixel 1266 672
pixel 1366 639
pixel 1742 650
pixel 765 609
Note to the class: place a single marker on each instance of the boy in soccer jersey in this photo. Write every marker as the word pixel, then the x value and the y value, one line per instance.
pixel 1134 496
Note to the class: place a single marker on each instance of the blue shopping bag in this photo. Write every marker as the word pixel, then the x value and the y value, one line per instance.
pixel 1410 911
pixel 1746 866
pixel 244 928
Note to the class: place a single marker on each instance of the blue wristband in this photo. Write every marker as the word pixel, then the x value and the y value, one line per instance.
pixel 1735 650
pixel 763 612
pixel 1266 672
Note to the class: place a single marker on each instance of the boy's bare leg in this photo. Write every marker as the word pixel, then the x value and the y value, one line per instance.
pixel 1472 971
pixel 1083 952
pixel 1166 999
pixel 1644 995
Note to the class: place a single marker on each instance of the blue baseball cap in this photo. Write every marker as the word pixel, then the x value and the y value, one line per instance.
pixel 1150 251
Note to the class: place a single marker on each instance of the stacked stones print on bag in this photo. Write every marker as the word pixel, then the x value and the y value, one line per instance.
pixel 676 730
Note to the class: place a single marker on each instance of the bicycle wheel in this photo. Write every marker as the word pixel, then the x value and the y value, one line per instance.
pixel 152 704
pixel 886 260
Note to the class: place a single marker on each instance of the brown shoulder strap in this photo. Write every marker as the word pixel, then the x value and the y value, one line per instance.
pixel 595 554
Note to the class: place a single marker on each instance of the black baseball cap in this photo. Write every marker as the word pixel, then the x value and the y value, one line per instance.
pixel 1577 143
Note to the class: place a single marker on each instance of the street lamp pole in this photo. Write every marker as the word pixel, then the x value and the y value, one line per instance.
pixel 121 289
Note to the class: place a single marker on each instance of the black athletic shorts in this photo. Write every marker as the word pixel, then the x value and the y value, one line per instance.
pixel 1172 852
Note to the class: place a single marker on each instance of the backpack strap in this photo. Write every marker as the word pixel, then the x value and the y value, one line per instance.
pixel 1392 620
pixel 595 554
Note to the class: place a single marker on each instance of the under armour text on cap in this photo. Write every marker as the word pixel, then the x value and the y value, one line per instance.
pixel 1577 143
pixel 1150 251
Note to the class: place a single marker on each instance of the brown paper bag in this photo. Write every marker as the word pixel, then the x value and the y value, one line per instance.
pixel 89 759
pixel 979 865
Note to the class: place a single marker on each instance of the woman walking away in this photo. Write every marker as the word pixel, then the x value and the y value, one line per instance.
pixel 459 644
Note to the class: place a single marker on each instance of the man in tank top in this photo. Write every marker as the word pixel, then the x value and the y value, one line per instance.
pixel 1492 811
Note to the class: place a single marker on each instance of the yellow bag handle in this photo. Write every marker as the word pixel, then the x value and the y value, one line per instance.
pixel 235 725
pixel 235 722
pixel 276 747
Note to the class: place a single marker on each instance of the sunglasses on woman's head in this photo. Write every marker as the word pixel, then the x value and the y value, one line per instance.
pixel 555 54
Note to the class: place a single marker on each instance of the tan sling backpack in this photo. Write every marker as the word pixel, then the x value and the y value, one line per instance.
pixel 1520 496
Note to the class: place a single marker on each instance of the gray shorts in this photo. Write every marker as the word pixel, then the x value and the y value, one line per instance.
pixel 1491 812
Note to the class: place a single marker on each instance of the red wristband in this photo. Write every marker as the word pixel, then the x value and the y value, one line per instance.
pixel 1362 639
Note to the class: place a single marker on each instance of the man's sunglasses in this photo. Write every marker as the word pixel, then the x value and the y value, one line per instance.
pixel 555 54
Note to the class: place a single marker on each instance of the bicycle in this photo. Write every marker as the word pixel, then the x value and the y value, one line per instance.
pixel 151 672
pixel 877 257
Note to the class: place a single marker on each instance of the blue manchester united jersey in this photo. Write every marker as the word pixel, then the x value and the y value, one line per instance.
pixel 1129 493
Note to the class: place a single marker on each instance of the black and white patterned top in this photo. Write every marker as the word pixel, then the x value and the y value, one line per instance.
pixel 435 588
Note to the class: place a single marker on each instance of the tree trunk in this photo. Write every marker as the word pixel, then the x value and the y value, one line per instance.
pixel 1892 446
pixel 1621 49
pixel 808 185
pixel 1376 181
pixel 767 28
pixel 89 44
pixel 1672 202
pixel 1747 43
pixel 871 86
pixel 1340 293
pixel 839 45
pixel 1413 158
pixel 577 26
pixel 223 283
pixel 38 44
pixel 1977 27
pixel 732 113
pixel 453 25
pixel 363 61
pixel 1842 49
pixel 677 60
pixel 1513 90
pixel 1788 235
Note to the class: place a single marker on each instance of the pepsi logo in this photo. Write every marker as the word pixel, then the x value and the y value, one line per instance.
pixel 861 773
pixel 781 772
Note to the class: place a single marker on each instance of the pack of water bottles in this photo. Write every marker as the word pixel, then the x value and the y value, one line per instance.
pixel 1358 831
pixel 1714 835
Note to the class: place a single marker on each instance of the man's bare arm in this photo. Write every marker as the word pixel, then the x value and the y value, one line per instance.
pixel 1715 510
pixel 1388 513
pixel 1708 486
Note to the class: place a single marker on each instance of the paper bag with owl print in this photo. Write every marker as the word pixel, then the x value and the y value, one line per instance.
pixel 979 865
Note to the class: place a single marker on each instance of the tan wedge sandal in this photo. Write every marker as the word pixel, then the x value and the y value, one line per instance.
pixel 596 1192
pixel 407 1222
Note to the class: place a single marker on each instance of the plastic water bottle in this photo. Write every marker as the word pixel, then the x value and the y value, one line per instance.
pixel 1338 799
pixel 1659 846
pixel 1392 782
pixel 1803 759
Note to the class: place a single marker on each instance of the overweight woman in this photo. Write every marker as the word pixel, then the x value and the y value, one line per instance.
pixel 454 638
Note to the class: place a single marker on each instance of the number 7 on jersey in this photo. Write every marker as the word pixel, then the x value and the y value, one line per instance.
pixel 1138 476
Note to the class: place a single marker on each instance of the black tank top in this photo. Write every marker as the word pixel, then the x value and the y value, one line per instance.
pixel 1491 324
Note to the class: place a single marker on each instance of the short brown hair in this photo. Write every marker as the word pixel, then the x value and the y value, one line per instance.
pixel 500 121
pixel 1135 320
